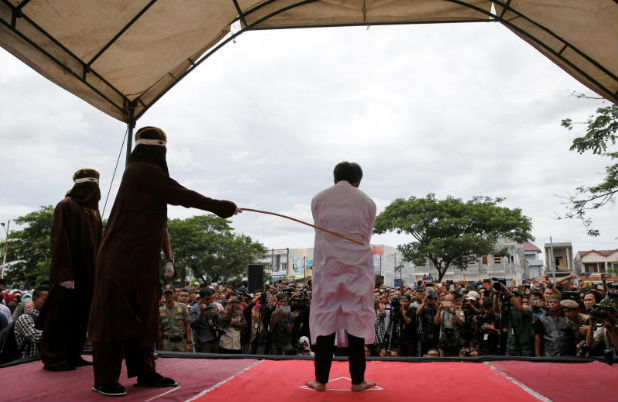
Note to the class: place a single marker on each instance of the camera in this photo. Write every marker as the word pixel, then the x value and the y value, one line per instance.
pixel 497 284
pixel 598 312
pixel 583 349
pixel 570 294
pixel 395 302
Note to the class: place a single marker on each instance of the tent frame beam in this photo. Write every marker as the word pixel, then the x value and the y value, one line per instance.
pixel 492 18
pixel 17 14
pixel 128 106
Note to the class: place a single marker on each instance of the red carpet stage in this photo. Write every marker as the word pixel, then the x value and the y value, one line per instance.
pixel 249 380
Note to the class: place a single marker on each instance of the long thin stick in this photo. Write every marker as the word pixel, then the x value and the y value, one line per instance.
pixel 305 223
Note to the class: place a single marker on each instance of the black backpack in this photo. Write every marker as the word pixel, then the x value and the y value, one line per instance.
pixel 9 350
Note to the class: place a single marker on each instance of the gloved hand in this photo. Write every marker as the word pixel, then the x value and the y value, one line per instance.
pixel 169 269
pixel 67 284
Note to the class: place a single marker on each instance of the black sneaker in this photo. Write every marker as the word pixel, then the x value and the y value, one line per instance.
pixel 155 380
pixel 62 367
pixel 81 362
pixel 109 389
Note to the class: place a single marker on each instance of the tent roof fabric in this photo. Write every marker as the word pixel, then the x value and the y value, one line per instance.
pixel 122 56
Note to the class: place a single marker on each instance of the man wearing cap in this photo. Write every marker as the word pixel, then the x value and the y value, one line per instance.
pixel 174 325
pixel 125 317
pixel 550 331
pixel 576 322
pixel 75 237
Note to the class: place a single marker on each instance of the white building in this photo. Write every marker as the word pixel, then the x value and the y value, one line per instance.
pixel 388 263
pixel 533 264
pixel 559 259
pixel 597 261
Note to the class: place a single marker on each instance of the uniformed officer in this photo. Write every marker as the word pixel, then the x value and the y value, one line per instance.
pixel 174 325
pixel 577 322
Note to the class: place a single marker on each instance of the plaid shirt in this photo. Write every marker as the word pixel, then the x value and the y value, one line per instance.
pixel 26 335
pixel 380 330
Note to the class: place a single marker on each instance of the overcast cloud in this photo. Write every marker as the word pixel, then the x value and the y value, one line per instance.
pixel 459 109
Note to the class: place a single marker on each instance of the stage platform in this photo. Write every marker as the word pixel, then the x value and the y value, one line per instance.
pixel 204 378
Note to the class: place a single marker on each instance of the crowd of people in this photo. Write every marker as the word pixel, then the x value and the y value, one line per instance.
pixel 429 319
pixel 105 285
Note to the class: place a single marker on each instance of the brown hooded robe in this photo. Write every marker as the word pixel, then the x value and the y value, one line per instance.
pixel 126 295
pixel 75 238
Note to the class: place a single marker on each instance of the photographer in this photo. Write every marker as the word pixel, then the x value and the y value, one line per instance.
pixel 471 311
pixel 260 317
pixel 591 298
pixel 394 328
pixel 300 308
pixel 450 320
pixel 601 338
pixel 233 323
pixel 281 326
pixel 551 331
pixel 487 328
pixel 426 329
pixel 380 345
pixel 205 322
pixel 408 327
pixel 518 320
pixel 537 304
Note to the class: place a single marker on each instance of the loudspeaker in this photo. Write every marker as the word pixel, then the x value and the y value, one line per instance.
pixel 379 280
pixel 255 277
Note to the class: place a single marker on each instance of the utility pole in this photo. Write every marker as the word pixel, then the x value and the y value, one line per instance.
pixel 6 246
pixel 551 259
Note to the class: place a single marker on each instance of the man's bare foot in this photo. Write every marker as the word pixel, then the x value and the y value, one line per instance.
pixel 363 386
pixel 316 385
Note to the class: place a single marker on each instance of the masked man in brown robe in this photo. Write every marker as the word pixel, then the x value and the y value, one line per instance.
pixel 75 238
pixel 125 315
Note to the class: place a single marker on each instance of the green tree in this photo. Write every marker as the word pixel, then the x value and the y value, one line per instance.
pixel 447 231
pixel 206 247
pixel 28 256
pixel 601 133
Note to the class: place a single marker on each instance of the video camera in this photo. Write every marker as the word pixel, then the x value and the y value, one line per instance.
pixel 570 294
pixel 496 284
pixel 598 312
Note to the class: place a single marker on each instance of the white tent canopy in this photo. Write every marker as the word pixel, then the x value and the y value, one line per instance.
pixel 122 56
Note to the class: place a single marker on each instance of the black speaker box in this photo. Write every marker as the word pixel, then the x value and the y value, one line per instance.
pixel 255 277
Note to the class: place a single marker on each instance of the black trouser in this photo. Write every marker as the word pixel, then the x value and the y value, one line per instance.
pixel 64 319
pixel 324 349
pixel 107 358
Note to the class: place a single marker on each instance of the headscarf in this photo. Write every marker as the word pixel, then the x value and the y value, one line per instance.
pixel 150 153
pixel 86 190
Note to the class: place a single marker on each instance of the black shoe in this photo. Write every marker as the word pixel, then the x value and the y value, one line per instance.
pixel 155 380
pixel 62 367
pixel 82 362
pixel 109 389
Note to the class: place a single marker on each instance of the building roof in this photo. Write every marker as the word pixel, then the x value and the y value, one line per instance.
pixel 557 245
pixel 604 253
pixel 531 247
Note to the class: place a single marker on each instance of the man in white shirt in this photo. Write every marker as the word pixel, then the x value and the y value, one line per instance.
pixel 343 276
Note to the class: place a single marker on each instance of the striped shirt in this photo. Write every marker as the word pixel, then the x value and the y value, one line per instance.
pixel 26 335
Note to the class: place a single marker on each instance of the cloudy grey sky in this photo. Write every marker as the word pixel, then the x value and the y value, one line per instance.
pixel 458 109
